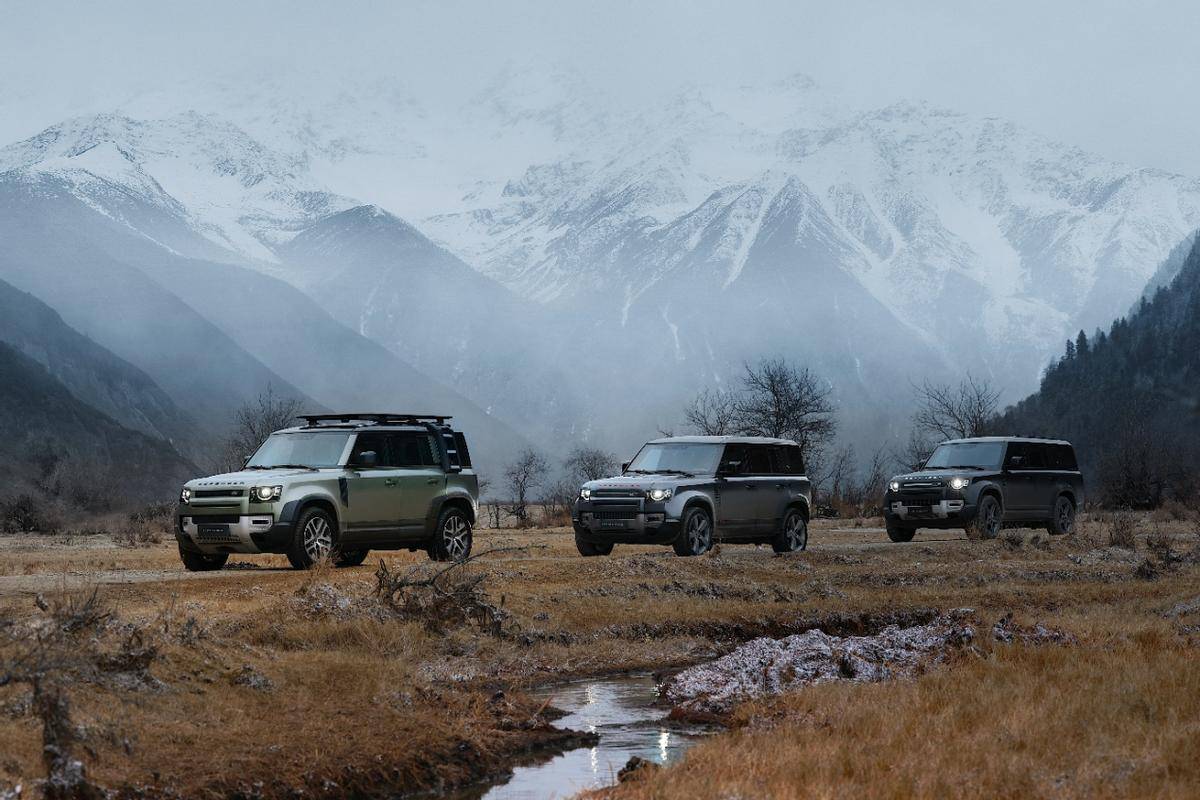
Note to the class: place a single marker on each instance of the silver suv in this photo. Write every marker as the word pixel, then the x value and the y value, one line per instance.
pixel 690 491
pixel 338 486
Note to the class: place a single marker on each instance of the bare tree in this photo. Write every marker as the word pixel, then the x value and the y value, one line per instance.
pixel 713 413
pixel 956 412
pixel 522 477
pixel 585 464
pixel 784 401
pixel 913 454
pixel 256 421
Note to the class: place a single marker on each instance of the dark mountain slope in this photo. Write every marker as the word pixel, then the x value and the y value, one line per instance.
pixel 1129 398
pixel 55 443
pixel 91 373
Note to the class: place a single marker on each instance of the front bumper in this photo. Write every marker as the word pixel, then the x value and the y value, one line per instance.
pixel 244 533
pixel 642 522
pixel 951 512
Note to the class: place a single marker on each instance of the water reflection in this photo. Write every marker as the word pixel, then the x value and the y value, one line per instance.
pixel 620 711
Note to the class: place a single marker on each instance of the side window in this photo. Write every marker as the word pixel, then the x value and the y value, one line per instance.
pixel 758 460
pixel 412 450
pixel 1017 455
pixel 1038 457
pixel 373 442
pixel 733 460
pixel 787 460
pixel 1061 456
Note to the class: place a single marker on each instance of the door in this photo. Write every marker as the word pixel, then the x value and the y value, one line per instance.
pixel 737 492
pixel 372 492
pixel 787 484
pixel 420 478
pixel 765 488
pixel 1024 469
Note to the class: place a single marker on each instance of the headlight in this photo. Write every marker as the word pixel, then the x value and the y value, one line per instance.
pixel 958 484
pixel 894 486
pixel 265 494
pixel 185 495
pixel 658 495
pixel 585 493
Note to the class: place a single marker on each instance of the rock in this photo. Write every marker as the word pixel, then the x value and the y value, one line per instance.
pixel 636 768
pixel 249 676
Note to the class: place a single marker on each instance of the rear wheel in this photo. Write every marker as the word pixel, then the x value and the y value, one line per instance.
pixel 313 538
pixel 202 562
pixel 452 537
pixel 588 549
pixel 793 535
pixel 695 534
pixel 898 534
pixel 1063 521
pixel 989 519
pixel 350 558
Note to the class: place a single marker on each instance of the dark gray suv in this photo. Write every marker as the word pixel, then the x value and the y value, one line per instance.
pixel 985 483
pixel 690 491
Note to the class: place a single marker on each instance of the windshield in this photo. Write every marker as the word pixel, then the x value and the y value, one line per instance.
pixel 966 455
pixel 306 449
pixel 695 459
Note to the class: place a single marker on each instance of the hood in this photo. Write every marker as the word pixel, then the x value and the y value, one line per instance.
pixel 638 481
pixel 247 477
pixel 942 473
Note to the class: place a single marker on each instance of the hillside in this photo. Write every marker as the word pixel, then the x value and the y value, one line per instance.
pixel 1129 398
pixel 55 445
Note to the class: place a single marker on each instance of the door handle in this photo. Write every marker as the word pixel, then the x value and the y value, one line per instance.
pixel 391 481
pixel 433 481
pixel 750 487
pixel 780 486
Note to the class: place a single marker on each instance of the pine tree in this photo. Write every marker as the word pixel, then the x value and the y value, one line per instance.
pixel 1081 344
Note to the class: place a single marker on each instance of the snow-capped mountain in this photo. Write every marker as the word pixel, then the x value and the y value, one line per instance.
pixel 686 235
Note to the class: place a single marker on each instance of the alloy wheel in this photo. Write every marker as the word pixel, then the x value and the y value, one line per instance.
pixel 699 533
pixel 796 532
pixel 318 538
pixel 1066 515
pixel 991 521
pixel 456 535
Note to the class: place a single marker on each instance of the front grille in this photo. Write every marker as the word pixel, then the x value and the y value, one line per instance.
pixel 216 519
pixel 616 513
pixel 217 493
pixel 617 493
pixel 920 498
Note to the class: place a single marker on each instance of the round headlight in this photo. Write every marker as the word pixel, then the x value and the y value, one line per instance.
pixel 958 484
pixel 658 495
pixel 894 486
pixel 265 494
pixel 185 495
pixel 585 493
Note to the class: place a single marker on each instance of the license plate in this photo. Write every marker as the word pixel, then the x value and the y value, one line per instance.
pixel 213 531
pixel 612 523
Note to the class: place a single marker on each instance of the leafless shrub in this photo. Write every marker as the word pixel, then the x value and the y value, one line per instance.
pixel 585 464
pixel 913 453
pixel 713 412
pixel 255 422
pixel 441 596
pixel 1012 539
pixel 955 412
pixel 1122 531
pixel 28 514
pixel 522 477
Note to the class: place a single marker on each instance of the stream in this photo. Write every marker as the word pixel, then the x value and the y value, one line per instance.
pixel 621 710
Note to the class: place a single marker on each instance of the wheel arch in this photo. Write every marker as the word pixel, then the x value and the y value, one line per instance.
pixel 440 504
pixel 320 501
pixel 801 504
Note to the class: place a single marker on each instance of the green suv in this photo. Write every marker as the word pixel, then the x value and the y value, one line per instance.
pixel 338 486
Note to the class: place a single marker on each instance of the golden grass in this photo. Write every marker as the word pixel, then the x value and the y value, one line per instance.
pixel 384 705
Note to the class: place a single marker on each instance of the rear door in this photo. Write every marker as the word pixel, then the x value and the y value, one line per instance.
pixel 765 488
pixel 737 491
pixel 420 478
pixel 1024 466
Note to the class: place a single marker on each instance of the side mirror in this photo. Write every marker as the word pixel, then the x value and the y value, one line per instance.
pixel 366 459
pixel 625 465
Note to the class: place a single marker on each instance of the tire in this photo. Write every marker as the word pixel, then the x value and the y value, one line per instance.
pixel 588 549
pixel 695 533
pixel 1063 521
pixel 350 558
pixel 793 533
pixel 313 539
pixel 989 519
pixel 898 534
pixel 201 562
pixel 452 537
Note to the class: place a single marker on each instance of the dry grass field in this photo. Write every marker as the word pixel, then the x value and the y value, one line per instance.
pixel 262 682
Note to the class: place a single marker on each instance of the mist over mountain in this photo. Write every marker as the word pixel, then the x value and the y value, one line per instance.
pixel 577 264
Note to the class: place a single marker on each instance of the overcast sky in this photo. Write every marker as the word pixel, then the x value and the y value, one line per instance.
pixel 1115 77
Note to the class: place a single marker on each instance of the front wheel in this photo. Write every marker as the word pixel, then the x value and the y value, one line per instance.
pixel 793 536
pixel 452 537
pixel 588 549
pixel 695 534
pixel 897 534
pixel 989 519
pixel 313 539
pixel 1063 521
pixel 202 562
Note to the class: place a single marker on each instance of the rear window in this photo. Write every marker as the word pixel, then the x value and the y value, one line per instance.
pixel 1061 456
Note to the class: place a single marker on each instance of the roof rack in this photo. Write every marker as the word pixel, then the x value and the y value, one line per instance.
pixel 314 420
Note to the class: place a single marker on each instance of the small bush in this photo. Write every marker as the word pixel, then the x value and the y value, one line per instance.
pixel 28 514
pixel 1121 531
pixel 1012 539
